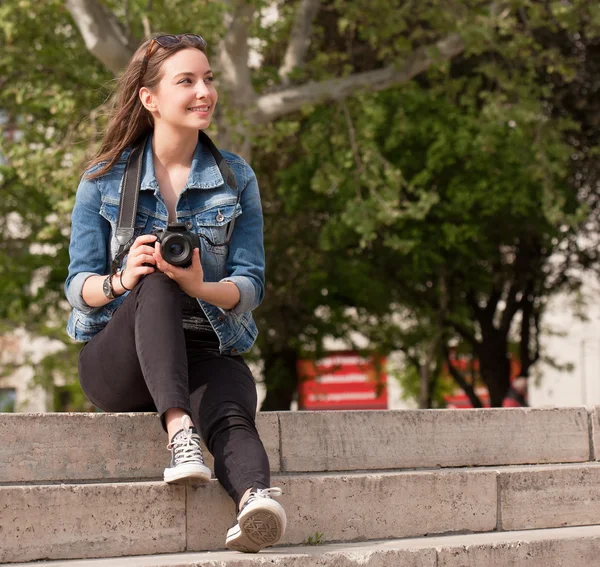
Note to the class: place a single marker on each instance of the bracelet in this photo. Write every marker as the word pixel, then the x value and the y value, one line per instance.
pixel 121 281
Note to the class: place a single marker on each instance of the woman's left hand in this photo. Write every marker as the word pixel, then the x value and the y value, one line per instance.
pixel 190 279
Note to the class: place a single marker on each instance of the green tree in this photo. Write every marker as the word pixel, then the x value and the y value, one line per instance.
pixel 487 160
pixel 374 192
pixel 57 64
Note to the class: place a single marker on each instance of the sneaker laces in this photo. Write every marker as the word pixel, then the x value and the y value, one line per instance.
pixel 186 447
pixel 263 493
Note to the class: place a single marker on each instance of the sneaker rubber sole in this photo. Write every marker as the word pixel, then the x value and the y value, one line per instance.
pixel 186 474
pixel 257 527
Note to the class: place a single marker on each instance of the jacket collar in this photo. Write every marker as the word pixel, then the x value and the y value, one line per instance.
pixel 204 173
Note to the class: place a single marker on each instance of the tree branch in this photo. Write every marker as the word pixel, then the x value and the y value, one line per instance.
pixel 492 303
pixel 414 360
pixel 104 35
pixel 460 380
pixel 484 319
pixel 526 321
pixel 512 306
pixel 536 326
pixel 354 146
pixel 464 332
pixel 299 39
pixel 146 20
pixel 274 105
pixel 432 352
pixel 233 55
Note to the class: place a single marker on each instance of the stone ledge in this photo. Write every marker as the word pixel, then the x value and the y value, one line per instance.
pixel 100 520
pixel 96 446
pixel 38 448
pixel 541 497
pixel 91 520
pixel 579 547
pixel 427 438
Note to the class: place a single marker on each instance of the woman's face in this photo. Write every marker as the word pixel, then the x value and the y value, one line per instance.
pixel 186 96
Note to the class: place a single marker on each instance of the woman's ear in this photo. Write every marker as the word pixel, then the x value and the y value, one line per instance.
pixel 147 99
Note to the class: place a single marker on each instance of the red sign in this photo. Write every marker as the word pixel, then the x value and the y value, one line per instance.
pixel 342 381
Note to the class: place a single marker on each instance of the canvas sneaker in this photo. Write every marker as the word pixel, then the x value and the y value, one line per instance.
pixel 187 462
pixel 260 523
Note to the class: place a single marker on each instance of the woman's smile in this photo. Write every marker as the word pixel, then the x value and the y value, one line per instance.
pixel 202 110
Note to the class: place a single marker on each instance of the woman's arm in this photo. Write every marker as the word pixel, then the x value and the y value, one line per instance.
pixel 92 291
pixel 222 294
pixel 246 258
pixel 88 248
pixel 140 255
pixel 191 280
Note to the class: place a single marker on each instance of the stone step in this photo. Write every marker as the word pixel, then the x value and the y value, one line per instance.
pixel 42 448
pixel 132 518
pixel 565 547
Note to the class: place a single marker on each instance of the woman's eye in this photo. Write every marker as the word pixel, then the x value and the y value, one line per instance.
pixel 210 79
pixel 183 80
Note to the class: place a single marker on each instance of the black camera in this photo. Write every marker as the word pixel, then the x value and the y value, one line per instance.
pixel 177 244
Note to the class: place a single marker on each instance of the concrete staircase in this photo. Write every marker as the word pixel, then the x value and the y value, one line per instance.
pixel 437 488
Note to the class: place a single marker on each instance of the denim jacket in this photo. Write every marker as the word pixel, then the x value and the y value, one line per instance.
pixel 208 204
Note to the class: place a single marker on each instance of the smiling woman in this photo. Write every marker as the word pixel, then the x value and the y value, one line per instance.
pixel 176 333
pixel 182 95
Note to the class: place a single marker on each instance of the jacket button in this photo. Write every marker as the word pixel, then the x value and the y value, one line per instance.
pixel 220 318
pixel 219 217
pixel 234 350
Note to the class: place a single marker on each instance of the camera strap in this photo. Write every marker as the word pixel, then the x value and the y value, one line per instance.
pixel 130 190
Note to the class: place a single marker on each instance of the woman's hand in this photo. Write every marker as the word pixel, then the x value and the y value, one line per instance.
pixel 190 279
pixel 140 253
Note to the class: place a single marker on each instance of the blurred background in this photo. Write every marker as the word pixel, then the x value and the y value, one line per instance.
pixel 429 172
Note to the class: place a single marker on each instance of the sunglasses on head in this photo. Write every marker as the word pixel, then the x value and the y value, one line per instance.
pixel 168 41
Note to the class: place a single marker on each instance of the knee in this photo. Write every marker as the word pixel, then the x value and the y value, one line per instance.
pixel 158 283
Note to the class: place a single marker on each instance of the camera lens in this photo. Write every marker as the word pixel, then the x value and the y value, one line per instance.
pixel 177 249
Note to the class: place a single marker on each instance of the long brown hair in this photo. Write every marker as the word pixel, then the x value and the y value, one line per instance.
pixel 129 121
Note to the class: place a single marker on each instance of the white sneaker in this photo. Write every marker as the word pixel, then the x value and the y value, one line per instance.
pixel 187 463
pixel 260 523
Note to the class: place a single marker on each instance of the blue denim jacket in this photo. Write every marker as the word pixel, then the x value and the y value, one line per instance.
pixel 209 204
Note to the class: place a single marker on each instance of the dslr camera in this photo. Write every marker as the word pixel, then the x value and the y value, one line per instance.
pixel 177 244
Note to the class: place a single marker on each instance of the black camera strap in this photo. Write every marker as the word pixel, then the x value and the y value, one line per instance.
pixel 130 190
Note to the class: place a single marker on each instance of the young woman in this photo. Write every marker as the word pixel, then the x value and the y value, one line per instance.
pixel 166 338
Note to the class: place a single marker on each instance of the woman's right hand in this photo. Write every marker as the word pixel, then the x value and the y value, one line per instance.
pixel 140 253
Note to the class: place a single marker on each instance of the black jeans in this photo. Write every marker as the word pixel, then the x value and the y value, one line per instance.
pixel 143 360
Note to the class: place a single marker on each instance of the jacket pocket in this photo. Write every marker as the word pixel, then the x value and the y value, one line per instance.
pixel 111 213
pixel 214 222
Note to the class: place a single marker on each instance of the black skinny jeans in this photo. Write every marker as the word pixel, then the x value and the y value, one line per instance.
pixel 143 360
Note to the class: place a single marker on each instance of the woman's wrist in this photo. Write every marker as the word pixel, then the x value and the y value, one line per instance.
pixel 222 294
pixel 121 274
pixel 197 291
pixel 117 282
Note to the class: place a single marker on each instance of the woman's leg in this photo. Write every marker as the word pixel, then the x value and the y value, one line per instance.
pixel 223 396
pixel 223 400
pixel 138 362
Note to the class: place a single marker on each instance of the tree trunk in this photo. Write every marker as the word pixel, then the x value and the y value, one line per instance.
pixel 432 352
pixel 529 354
pixel 495 368
pixel 434 379
pixel 280 378
pixel 424 389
